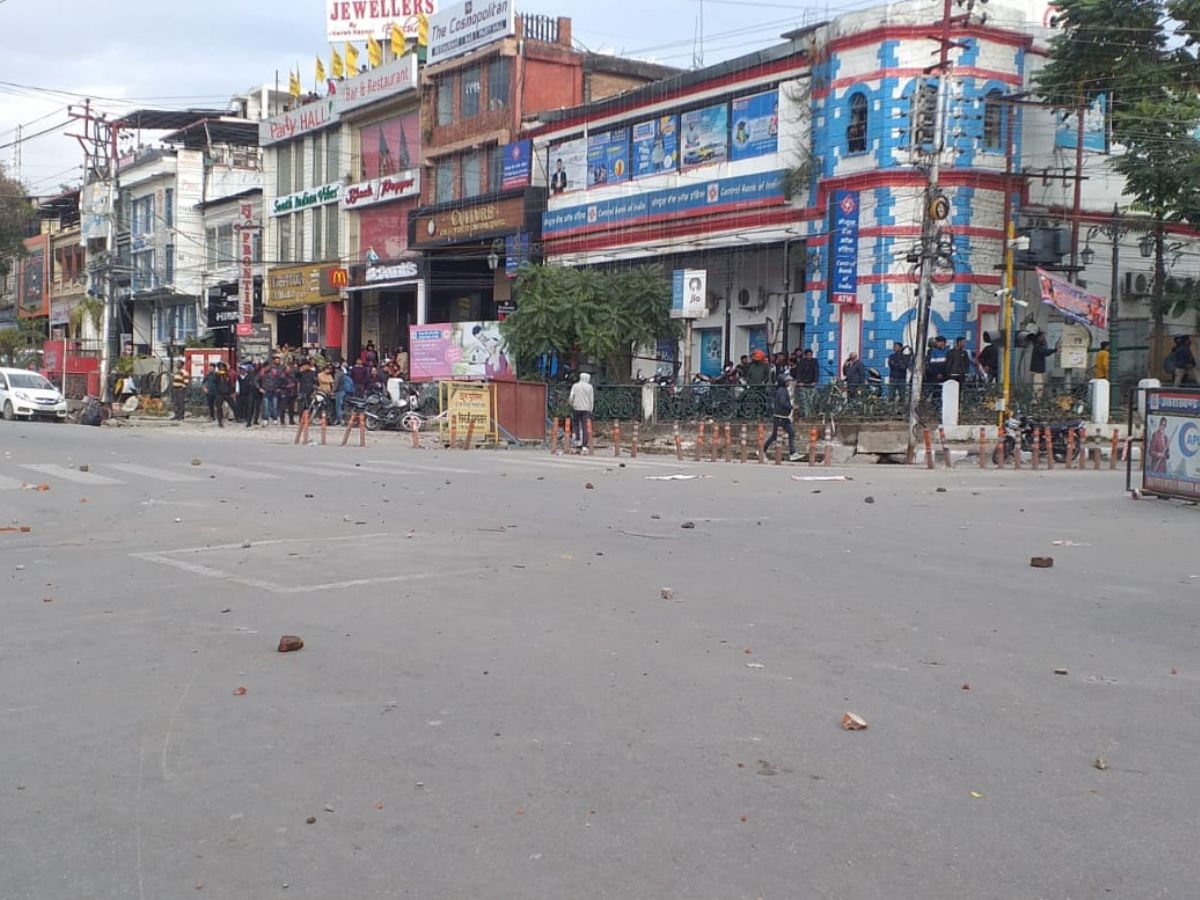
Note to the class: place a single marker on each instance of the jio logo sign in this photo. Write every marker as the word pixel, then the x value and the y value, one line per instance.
pixel 1189 439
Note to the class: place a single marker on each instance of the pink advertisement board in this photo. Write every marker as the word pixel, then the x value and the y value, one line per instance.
pixel 458 350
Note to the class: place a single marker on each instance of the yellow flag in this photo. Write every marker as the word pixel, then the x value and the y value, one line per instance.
pixel 319 74
pixel 351 60
pixel 374 52
pixel 399 44
pixel 335 63
pixel 293 84
pixel 422 30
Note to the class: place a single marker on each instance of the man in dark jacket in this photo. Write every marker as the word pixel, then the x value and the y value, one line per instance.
pixel 759 370
pixel 1038 355
pixel 988 360
pixel 359 375
pixel 306 382
pixel 898 364
pixel 782 416
pixel 270 383
pixel 935 367
pixel 958 361
pixel 855 374
pixel 224 391
pixel 209 386
pixel 806 374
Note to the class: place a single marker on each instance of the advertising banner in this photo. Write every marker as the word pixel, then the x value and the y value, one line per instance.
pixel 843 250
pixel 568 166
pixel 310 117
pixel 705 135
pixel 656 146
pixel 246 229
pixel 383 231
pixel 357 20
pixel 1171 458
pixel 223 308
pixel 516 252
pixel 703 198
pixel 35 297
pixel 391 146
pixel 462 27
pixel 516 165
pixel 755 125
pixel 689 290
pixel 1073 301
pixel 253 342
pixel 388 80
pixel 608 157
pixel 1095 127
pixel 458 350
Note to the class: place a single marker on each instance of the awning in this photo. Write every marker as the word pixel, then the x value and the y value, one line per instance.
pixel 384 285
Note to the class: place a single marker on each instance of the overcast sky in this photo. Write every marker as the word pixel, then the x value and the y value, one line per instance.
pixel 200 54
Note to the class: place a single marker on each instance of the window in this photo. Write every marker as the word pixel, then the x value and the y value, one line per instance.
pixel 298 154
pixel 445 100
pixel 444 177
pixel 284 224
pixel 993 121
pixel 298 235
pixel 333 146
pixel 468 101
pixel 169 208
pixel 169 269
pixel 142 215
pixel 318 233
pixel 318 160
pixel 176 323
pixel 856 130
pixel 471 165
pixel 332 250
pixel 283 170
pixel 495 168
pixel 256 245
pixel 497 71
pixel 210 247
pixel 143 271
pixel 225 244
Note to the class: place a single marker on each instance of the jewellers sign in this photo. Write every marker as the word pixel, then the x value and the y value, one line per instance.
pixel 381 190
pixel 326 193
pixel 466 26
pixel 387 80
pixel 357 20
pixel 309 117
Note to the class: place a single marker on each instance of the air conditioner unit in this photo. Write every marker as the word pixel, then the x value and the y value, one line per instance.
pixel 1137 285
pixel 745 301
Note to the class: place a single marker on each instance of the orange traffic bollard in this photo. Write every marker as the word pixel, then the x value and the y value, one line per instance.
pixel 1048 444
pixel 1070 447
pixel 814 435
pixel 633 447
pixel 678 444
pixel 453 436
pixel 1000 450
pixel 616 438
pixel 470 434
pixel 1112 455
pixel 324 424
pixel 362 430
pixel 587 427
pixel 946 461
pixel 728 442
pixel 1036 447
pixel 762 439
pixel 302 428
pixel 928 450
pixel 778 451
pixel 828 446
pixel 416 436
pixel 700 441
pixel 742 438
pixel 982 447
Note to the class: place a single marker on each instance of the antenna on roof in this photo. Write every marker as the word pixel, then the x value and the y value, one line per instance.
pixel 698 41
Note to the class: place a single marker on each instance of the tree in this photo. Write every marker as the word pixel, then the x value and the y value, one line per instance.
pixel 1141 55
pixel 598 314
pixel 18 342
pixel 15 213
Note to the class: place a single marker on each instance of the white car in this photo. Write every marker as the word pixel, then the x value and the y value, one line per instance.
pixel 27 394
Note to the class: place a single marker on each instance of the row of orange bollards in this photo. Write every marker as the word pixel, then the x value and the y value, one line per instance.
pixel 714 441
pixel 1077 454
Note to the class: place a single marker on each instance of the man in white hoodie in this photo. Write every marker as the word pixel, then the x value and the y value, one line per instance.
pixel 583 401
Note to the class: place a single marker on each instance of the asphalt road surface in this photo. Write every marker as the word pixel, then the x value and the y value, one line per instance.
pixel 497 698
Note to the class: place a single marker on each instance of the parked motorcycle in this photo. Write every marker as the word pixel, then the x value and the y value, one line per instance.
pixel 382 412
pixel 1026 430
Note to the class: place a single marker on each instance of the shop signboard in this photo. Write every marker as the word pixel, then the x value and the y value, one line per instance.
pixel 459 350
pixel 223 307
pixel 292 286
pixel 656 146
pixel 463 27
pixel 843 252
pixel 689 293
pixel 1171 456
pixel 705 135
pixel 515 173
pixel 290 203
pixel 608 157
pixel 470 222
pixel 254 342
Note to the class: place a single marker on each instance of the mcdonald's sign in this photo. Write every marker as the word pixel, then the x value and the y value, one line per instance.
pixel 339 278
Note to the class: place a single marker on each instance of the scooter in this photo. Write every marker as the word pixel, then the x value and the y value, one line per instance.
pixel 1026 430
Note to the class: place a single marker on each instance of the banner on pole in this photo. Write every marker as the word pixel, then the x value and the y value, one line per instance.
pixel 1073 301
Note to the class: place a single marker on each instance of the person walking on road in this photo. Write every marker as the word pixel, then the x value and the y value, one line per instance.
pixel 583 402
pixel 782 416
pixel 179 386
pixel 224 391
pixel 209 387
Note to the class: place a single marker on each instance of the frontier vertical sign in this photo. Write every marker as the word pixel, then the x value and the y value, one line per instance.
pixel 246 262
pixel 843 248
pixel 469 25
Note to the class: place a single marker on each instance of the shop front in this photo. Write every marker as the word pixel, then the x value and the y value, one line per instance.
pixel 473 252
pixel 304 304
pixel 225 307
pixel 386 298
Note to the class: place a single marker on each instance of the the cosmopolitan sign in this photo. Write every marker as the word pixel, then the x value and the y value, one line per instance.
pixel 394 78
pixel 327 193
pixel 357 20
pixel 465 26
pixel 310 117
pixel 381 190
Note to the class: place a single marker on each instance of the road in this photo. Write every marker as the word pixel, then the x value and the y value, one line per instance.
pixel 495 700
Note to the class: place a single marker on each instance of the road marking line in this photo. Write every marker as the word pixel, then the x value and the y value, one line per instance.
pixel 235 472
pixel 70 474
pixel 301 470
pixel 10 484
pixel 152 473
pixel 351 467
pixel 451 470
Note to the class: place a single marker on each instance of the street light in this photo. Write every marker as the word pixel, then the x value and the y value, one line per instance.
pixel 1146 246
pixel 1087 255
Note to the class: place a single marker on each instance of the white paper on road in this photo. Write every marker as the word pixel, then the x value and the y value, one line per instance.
pixel 821 478
pixel 674 477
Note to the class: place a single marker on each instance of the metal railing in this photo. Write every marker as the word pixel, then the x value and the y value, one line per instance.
pixel 1051 402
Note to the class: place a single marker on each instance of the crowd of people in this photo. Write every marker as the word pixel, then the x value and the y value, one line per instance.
pixel 276 391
